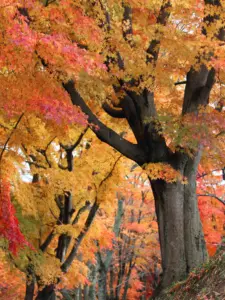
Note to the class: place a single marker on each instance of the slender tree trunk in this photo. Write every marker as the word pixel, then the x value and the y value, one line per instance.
pixel 92 277
pixel 180 230
pixel 93 280
pixel 111 280
pixel 30 285
pixel 86 292
pixel 105 260
pixel 78 294
pixel 126 285
pixel 102 284
pixel 48 293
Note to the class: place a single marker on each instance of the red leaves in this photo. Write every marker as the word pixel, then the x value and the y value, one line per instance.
pixel 35 60
pixel 59 111
pixel 9 226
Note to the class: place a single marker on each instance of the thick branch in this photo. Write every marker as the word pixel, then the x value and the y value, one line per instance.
pixel 200 82
pixel 130 111
pixel 153 49
pixel 47 242
pixel 127 25
pixel 80 211
pixel 115 113
pixel 104 133
pixel 198 88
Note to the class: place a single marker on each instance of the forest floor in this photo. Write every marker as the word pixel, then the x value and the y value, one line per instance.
pixel 205 283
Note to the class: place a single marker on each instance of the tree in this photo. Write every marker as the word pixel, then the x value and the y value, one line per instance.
pixel 121 54
pixel 64 202
pixel 180 230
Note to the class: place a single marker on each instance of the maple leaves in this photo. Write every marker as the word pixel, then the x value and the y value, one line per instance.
pixel 32 56
pixel 210 190
pixel 122 50
pixel 135 234
pixel 164 172
pixel 12 283
pixel 9 225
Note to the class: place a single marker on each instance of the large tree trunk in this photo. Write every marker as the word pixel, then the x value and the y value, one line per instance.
pixel 180 230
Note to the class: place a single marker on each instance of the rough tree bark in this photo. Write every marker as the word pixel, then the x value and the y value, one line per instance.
pixel 181 238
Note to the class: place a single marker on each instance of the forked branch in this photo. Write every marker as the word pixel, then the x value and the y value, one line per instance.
pixel 104 133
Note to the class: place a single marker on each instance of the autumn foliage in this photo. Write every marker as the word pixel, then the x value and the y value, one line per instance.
pixel 74 211
pixel 9 226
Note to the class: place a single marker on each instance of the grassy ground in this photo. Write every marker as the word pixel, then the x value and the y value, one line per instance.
pixel 207 283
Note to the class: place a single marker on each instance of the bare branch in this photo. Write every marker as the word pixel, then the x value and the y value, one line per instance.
pixel 110 173
pixel 180 82
pixel 213 196
pixel 73 147
pixel 10 135
pixel 44 152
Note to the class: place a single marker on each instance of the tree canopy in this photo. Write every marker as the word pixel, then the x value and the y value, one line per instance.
pixel 144 77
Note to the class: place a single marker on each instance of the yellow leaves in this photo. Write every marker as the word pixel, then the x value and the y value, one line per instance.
pixel 4 71
pixel 76 276
pixel 163 171
pixel 25 197
pixel 68 229
pixel 48 269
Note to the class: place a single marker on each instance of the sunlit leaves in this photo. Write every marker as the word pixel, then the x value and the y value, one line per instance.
pixel 163 171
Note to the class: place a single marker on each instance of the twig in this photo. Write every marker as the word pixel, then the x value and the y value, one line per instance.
pixel 11 133
pixel 180 82
pixel 213 196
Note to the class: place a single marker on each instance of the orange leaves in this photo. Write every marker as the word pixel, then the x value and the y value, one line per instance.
pixel 35 55
pixel 163 171
pixel 136 227
pixel 12 281
pixel 211 209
